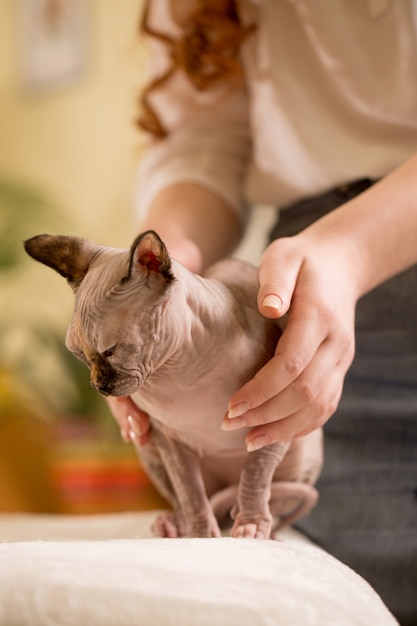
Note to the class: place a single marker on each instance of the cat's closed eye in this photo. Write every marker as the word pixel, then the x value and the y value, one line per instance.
pixel 109 352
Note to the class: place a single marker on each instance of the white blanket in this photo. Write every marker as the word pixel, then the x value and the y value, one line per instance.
pixel 107 571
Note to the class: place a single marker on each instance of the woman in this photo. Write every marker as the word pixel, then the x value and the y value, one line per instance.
pixel 310 106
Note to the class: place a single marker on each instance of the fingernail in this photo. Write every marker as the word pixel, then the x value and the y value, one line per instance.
pixel 258 442
pixel 125 435
pixel 133 425
pixel 272 302
pixel 238 409
pixel 234 424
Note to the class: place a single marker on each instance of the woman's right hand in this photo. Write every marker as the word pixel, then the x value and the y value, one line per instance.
pixel 134 423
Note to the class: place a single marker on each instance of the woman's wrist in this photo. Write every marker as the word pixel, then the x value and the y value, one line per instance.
pixel 335 252
pixel 377 228
pixel 196 225
pixel 187 253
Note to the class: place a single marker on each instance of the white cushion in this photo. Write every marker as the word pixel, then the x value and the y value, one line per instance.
pixel 106 570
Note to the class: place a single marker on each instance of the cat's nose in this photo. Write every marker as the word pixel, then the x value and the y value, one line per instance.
pixel 104 389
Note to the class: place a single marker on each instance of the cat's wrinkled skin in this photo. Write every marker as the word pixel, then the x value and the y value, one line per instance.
pixel 181 345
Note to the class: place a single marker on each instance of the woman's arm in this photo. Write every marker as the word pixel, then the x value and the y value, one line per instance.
pixel 197 226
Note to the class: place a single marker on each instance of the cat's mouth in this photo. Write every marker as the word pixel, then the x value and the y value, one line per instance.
pixel 116 387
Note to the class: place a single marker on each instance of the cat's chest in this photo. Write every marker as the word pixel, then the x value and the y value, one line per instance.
pixel 193 417
pixel 189 394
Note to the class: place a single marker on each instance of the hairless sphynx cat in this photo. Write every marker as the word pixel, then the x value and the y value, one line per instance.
pixel 181 345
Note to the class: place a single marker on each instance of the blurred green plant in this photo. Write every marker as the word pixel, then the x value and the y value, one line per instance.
pixel 30 352
pixel 21 207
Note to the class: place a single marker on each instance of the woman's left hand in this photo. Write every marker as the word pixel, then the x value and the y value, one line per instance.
pixel 312 278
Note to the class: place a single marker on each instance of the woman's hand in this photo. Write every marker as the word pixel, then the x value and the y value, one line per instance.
pixel 312 278
pixel 317 277
pixel 134 423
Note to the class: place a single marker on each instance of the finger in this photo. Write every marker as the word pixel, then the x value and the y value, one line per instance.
pixel 135 431
pixel 296 348
pixel 277 275
pixel 302 392
pixel 138 419
pixel 299 424
pixel 313 398
pixel 134 423
pixel 139 424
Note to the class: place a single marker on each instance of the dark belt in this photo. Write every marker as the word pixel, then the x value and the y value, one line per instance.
pixel 296 216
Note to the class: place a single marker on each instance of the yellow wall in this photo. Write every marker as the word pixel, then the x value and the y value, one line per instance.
pixel 78 144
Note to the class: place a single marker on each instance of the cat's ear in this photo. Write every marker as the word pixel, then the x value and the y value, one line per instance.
pixel 148 252
pixel 69 256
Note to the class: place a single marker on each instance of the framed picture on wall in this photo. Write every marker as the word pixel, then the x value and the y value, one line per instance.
pixel 53 42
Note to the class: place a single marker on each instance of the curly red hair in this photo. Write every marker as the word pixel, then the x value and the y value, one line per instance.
pixel 207 51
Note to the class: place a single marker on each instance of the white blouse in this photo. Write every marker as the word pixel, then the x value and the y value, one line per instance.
pixel 330 97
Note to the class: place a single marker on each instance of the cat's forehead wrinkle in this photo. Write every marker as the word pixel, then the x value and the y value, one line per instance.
pixel 109 265
pixel 104 274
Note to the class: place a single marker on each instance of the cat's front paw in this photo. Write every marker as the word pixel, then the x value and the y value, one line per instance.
pixel 252 527
pixel 169 525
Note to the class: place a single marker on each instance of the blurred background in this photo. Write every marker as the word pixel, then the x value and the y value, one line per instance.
pixel 70 74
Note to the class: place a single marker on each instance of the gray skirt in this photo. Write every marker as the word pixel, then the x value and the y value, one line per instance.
pixel 367 511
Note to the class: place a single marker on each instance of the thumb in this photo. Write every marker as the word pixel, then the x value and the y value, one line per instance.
pixel 277 275
pixel 133 422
